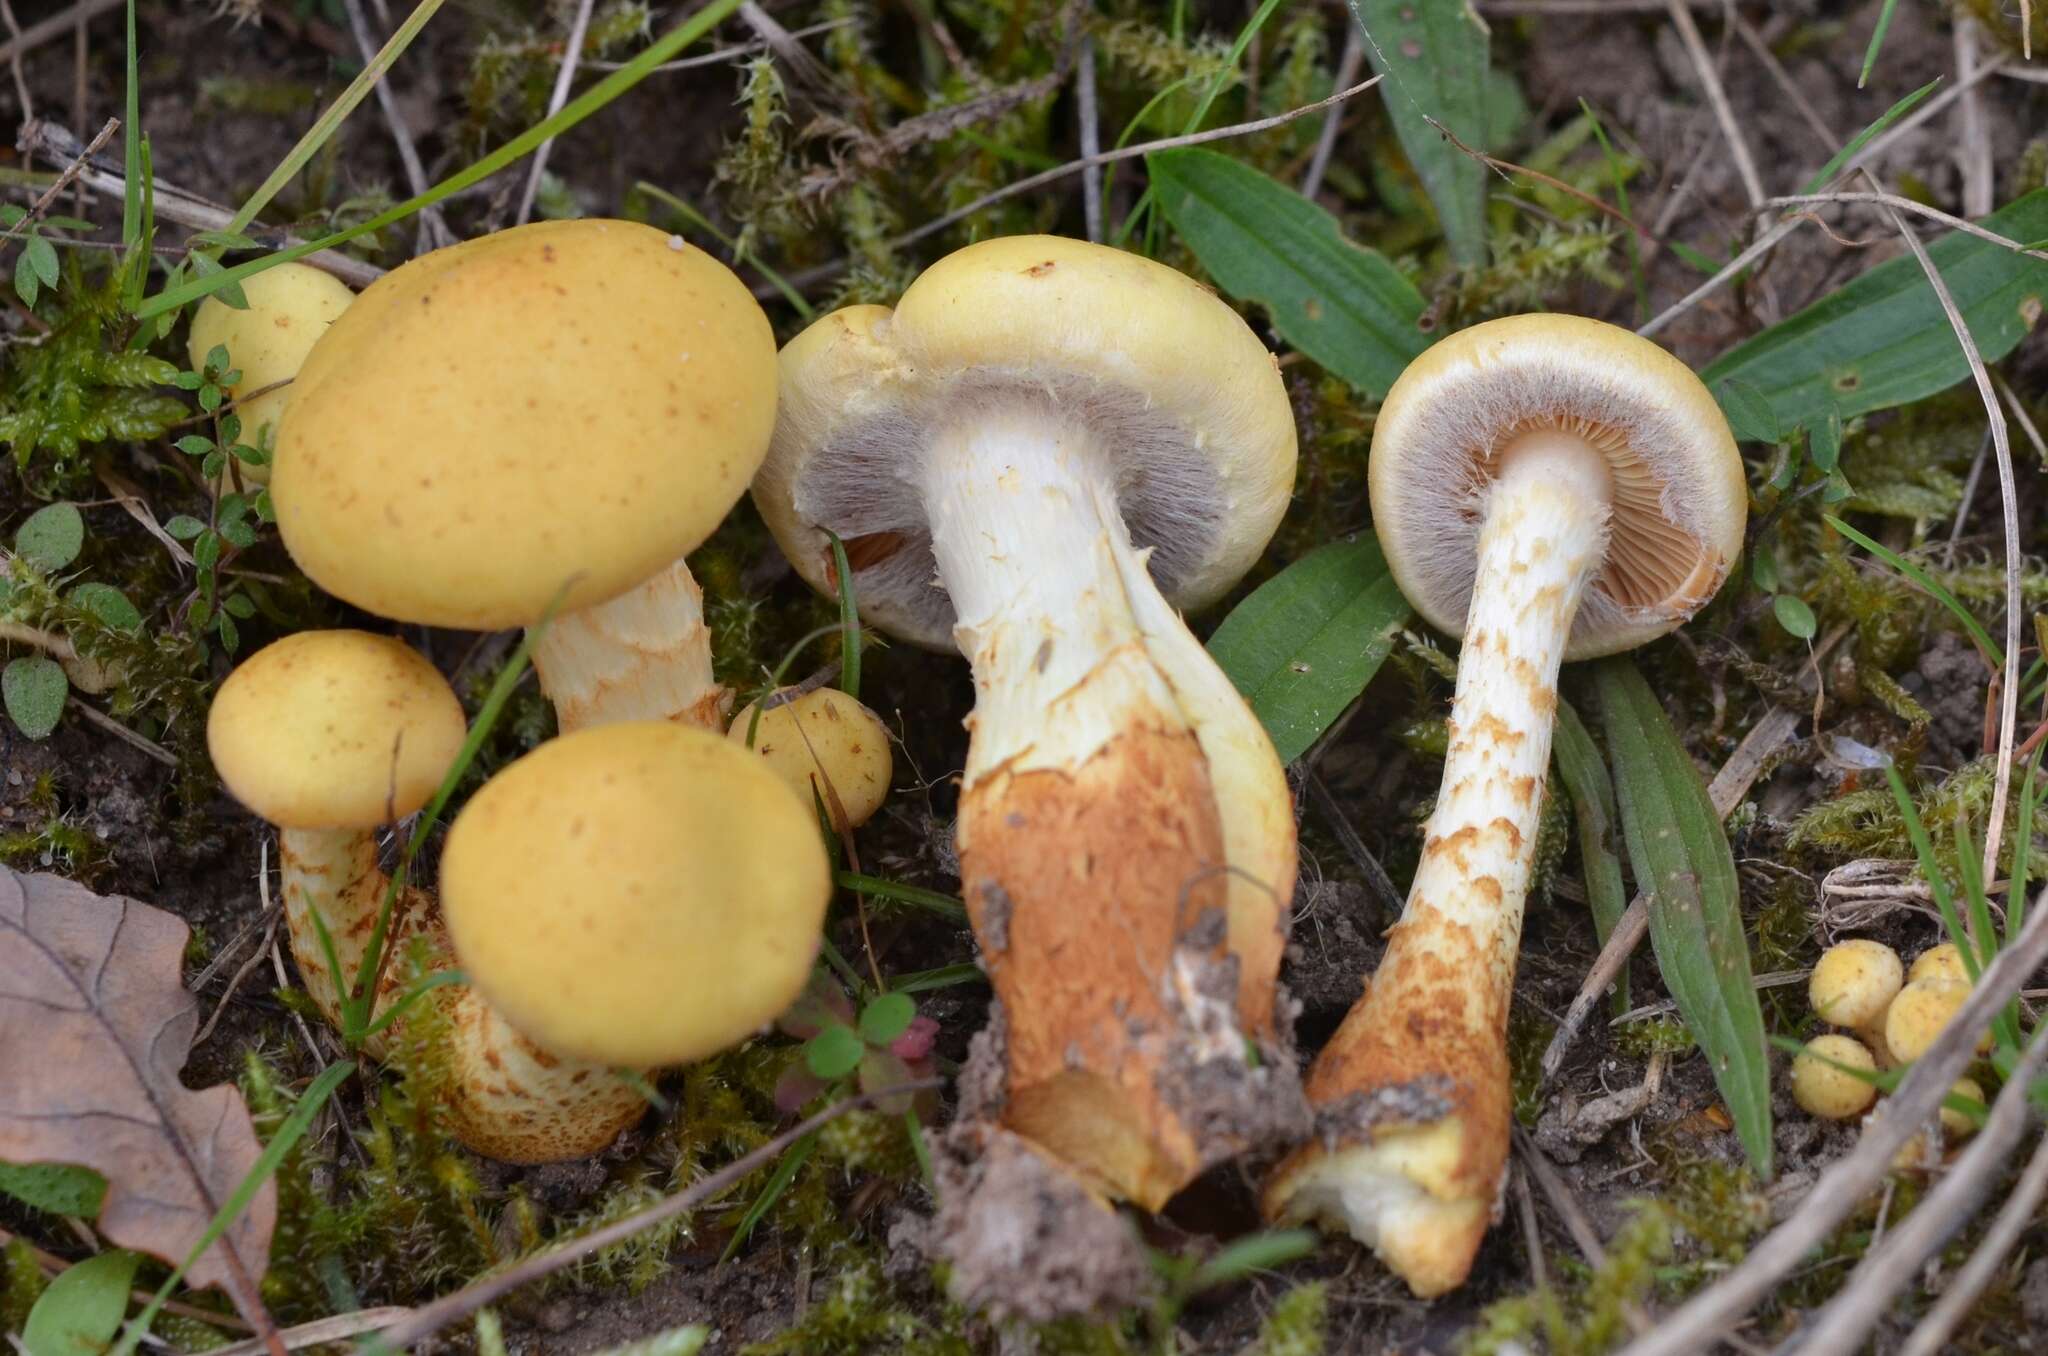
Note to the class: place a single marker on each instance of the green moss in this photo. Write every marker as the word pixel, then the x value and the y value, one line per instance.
pixel 1655 1035
pixel 859 1313
pixel 1528 1038
pixel 1295 1325
pixel 21 1284
pixel 1584 1314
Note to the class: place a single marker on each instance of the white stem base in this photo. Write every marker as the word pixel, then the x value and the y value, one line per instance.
pixel 644 655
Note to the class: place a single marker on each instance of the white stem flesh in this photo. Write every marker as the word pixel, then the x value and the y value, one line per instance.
pixel 1427 1044
pixel 334 873
pixel 644 655
pixel 1024 526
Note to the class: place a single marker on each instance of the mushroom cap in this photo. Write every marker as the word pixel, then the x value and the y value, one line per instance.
pixel 829 731
pixel 1181 391
pixel 1954 1124
pixel 639 894
pixel 1680 498
pixel 1854 982
pixel 290 307
pixel 1919 1013
pixel 568 403
pixel 334 730
pixel 1823 1090
pixel 1939 962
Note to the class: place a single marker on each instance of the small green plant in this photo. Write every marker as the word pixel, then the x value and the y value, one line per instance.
pixel 230 527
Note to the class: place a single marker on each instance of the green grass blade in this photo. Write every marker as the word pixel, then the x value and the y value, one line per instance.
pixel 945 977
pixel 1433 54
pixel 2022 848
pixel 1930 869
pixel 1989 648
pixel 1862 138
pixel 1883 340
pixel 329 122
pixel 265 1167
pixel 1338 302
pixel 874 887
pixel 1584 774
pixel 131 146
pixel 575 111
pixel 786 1170
pixel 1884 25
pixel 1308 640
pixel 849 622
pixel 1682 861
pixel 1620 181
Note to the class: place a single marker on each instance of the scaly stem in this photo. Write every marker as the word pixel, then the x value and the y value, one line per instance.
pixel 644 655
pixel 1412 1095
pixel 334 873
pixel 1093 858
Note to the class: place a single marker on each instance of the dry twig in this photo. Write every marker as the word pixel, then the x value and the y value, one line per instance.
pixel 1710 82
pixel 1931 1337
pixel 434 231
pixel 572 52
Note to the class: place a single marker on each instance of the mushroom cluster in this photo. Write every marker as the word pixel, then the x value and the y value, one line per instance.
pixel 1895 1014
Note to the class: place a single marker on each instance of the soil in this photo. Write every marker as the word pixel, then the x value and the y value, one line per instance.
pixel 198 855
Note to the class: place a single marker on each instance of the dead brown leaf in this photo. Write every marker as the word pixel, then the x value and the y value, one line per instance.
pixel 94 1026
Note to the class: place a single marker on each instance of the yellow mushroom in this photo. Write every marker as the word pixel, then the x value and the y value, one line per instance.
pixel 1919 1013
pixel 1955 1125
pixel 290 308
pixel 819 739
pixel 1074 443
pixel 1854 982
pixel 556 412
pixel 1823 1090
pixel 1546 487
pixel 1940 962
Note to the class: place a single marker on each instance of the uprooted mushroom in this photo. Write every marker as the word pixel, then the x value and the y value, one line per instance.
pixel 1548 488
pixel 1065 437
pixel 552 414
pixel 631 896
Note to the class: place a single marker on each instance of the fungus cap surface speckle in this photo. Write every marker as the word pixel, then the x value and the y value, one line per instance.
pixel 829 731
pixel 567 403
pixel 637 894
pixel 1679 502
pixel 334 730
pixel 1854 982
pixel 1171 381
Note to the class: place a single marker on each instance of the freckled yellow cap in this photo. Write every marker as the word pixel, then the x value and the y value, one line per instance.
pixel 1854 982
pixel 824 731
pixel 290 307
pixel 637 894
pixel 334 730
pixel 568 400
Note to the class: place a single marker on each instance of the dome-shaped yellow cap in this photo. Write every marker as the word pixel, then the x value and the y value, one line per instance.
pixel 290 307
pixel 334 730
pixel 637 894
pixel 570 400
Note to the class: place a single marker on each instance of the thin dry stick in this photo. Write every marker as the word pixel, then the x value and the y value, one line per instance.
pixel 248 967
pixel 1532 1237
pixel 1794 95
pixel 1887 1270
pixel 1973 144
pixel 1710 82
pixel 1584 1237
pixel 1931 1337
pixel 1091 138
pixel 1378 883
pixel 65 177
pixel 1878 145
pixel 564 78
pixel 1955 531
pixel 738 52
pixel 142 743
pixel 2026 421
pixel 452 1308
pixel 434 230
pixel 321 1331
pixel 1908 205
pixel 56 26
pixel 1765 243
pixel 14 49
pixel 1348 64
pixel 1058 172
pixel 1694 1326
pixel 56 145
pixel 2023 73
pixel 1726 791
pixel 2001 451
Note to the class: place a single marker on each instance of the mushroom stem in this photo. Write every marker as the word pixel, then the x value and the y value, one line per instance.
pixel 1412 1095
pixel 644 655
pixel 1094 860
pixel 506 1097
pixel 334 873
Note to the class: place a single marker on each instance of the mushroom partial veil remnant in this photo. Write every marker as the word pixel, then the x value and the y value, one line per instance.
pixel 1037 456
pixel 1548 488
pixel 556 412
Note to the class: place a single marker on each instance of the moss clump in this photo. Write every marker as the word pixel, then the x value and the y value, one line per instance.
pixel 1296 1323
pixel 860 1313
pixel 1584 1314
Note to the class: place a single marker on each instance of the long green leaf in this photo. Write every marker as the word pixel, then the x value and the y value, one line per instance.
pixel 1433 53
pixel 576 110
pixel 1309 639
pixel 1592 793
pixel 1682 861
pixel 1340 303
pixel 1883 340
pixel 1993 653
